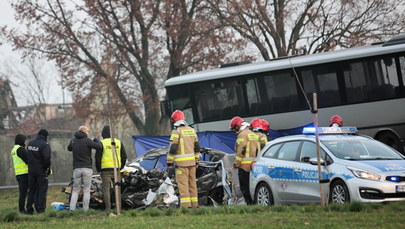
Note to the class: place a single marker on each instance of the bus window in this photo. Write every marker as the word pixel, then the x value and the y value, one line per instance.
pixel 216 100
pixel 402 67
pixel 386 79
pixel 372 79
pixel 322 80
pixel 180 97
pixel 253 97
pixel 355 82
pixel 281 92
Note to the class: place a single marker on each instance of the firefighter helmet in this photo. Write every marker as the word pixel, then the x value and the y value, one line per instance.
pixel 236 123
pixel 177 115
pixel 265 125
pixel 336 119
pixel 256 124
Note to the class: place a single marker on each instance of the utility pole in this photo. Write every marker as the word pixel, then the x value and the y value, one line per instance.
pixel 117 173
pixel 318 149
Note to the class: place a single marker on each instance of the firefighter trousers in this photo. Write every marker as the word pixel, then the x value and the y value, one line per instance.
pixel 185 178
pixel 244 185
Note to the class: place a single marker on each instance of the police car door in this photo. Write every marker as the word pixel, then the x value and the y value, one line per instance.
pixel 281 171
pixel 306 175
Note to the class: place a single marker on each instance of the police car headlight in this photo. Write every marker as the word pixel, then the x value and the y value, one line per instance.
pixel 364 175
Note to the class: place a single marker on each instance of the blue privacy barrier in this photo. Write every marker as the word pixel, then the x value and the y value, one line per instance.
pixel 219 140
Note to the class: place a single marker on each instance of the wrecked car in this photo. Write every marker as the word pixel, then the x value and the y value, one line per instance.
pixel 214 181
pixel 145 181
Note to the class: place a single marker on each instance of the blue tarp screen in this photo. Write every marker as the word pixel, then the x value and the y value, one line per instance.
pixel 220 140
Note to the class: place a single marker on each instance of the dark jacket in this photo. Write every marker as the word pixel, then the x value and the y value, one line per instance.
pixel 21 152
pixel 99 153
pixel 81 147
pixel 39 155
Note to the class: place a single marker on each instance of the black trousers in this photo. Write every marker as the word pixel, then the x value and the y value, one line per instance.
pixel 38 188
pixel 244 185
pixel 23 190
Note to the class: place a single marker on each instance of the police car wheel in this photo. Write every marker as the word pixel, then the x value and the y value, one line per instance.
pixel 339 193
pixel 263 195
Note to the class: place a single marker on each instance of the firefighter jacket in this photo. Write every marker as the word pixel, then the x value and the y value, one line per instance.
pixel 184 147
pixel 246 148
pixel 20 167
pixel 262 140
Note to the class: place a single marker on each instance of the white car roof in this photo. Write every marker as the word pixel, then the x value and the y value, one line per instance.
pixel 321 137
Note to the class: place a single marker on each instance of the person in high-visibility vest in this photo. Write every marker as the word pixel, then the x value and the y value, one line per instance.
pixel 20 161
pixel 105 163
pixel 184 154
pixel 246 147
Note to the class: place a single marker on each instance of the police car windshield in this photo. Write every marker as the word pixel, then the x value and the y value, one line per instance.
pixel 361 149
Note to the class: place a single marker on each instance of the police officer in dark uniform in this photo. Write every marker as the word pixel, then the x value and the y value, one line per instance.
pixel 39 163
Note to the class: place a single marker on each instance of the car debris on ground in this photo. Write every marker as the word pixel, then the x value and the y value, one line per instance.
pixel 143 185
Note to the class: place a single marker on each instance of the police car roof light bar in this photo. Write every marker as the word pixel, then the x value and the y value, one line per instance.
pixel 331 130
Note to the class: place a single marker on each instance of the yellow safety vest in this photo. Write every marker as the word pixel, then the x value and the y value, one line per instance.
pixel 107 160
pixel 20 167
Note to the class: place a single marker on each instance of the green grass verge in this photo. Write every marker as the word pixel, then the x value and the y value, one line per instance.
pixel 354 215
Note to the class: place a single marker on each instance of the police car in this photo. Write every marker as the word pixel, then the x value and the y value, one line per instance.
pixel 353 168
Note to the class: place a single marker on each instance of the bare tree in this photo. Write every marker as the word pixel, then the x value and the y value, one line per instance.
pixel 143 41
pixel 290 27
pixel 31 82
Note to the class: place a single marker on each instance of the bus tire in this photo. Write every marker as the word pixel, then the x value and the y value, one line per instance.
pixel 392 140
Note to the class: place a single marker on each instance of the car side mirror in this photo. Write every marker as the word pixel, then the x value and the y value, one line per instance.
pixel 166 108
pixel 314 161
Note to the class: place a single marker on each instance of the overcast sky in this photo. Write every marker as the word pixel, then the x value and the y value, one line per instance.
pixel 10 61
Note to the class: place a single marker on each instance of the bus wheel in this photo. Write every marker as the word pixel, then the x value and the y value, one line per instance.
pixel 392 140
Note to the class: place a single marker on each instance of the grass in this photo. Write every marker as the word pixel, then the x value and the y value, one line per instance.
pixel 354 215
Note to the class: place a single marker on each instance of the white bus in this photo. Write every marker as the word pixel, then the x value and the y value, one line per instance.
pixel 364 85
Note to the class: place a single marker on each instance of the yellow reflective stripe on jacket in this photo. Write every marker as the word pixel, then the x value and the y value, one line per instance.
pixel 107 160
pixel 184 157
pixel 239 140
pixel 194 199
pixel 181 142
pixel 20 167
pixel 248 149
pixel 188 133
pixel 238 158
pixel 247 160
pixel 173 136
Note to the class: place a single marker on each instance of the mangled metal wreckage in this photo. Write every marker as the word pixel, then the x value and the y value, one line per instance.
pixel 147 183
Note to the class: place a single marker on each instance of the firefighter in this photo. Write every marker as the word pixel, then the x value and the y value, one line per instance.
pixel 246 150
pixel 265 127
pixel 183 154
pixel 257 128
pixel 335 121
pixel 20 161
